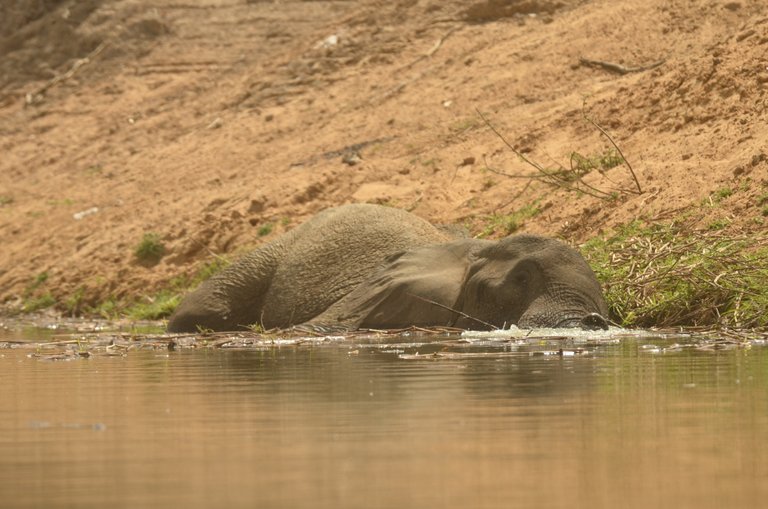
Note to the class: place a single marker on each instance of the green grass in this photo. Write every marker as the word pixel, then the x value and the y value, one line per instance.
pixel 207 270
pixel 465 124
pixel 609 158
pixel 148 307
pixel 164 303
pixel 721 194
pixel 507 224
pixel 38 302
pixel 156 307
pixel 35 297
pixel 109 309
pixel 257 328
pixel 718 224
pixel 74 302
pixel 150 249
pixel 667 275
pixel 265 229
pixel 39 280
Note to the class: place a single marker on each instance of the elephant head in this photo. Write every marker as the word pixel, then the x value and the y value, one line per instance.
pixel 526 280
pixel 532 281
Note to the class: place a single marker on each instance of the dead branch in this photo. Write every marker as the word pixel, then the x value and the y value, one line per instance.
pixel 37 95
pixel 560 178
pixel 618 68
pixel 433 49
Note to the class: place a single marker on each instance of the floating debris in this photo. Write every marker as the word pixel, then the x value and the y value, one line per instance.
pixel 455 355
pixel 88 338
pixel 98 426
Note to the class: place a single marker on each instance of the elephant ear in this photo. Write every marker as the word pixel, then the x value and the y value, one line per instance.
pixel 418 287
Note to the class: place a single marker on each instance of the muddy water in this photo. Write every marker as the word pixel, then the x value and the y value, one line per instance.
pixel 385 422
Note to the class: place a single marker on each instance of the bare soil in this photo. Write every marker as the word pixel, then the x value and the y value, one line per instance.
pixel 217 124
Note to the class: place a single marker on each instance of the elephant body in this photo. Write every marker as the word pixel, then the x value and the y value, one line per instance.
pixel 369 266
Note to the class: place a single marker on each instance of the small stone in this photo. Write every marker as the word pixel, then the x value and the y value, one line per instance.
pixel 351 158
pixel 257 205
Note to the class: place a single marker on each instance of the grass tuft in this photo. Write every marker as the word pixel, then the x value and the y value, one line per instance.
pixel 609 158
pixel 155 308
pixel 507 224
pixel 265 229
pixel 150 249
pixel 38 302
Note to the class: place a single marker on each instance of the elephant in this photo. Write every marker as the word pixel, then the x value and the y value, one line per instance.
pixel 365 266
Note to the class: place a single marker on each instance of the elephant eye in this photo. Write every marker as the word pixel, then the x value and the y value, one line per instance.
pixel 520 279
pixel 523 274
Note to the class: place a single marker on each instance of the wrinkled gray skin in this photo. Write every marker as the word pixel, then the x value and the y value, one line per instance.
pixel 368 266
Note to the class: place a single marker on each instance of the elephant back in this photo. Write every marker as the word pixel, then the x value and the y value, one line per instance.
pixel 327 257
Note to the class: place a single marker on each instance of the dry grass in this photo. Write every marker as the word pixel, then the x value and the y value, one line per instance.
pixel 669 275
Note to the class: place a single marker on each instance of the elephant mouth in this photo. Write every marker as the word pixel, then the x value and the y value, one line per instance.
pixel 592 321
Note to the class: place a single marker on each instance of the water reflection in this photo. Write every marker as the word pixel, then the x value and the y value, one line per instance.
pixel 370 424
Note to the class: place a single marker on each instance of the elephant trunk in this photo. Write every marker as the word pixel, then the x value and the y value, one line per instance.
pixel 591 321
pixel 562 306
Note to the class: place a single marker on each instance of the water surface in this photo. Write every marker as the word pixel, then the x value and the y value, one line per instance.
pixel 383 422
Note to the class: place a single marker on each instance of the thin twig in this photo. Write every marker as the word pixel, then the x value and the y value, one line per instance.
pixel 518 195
pixel 603 131
pixel 593 188
pixel 514 198
pixel 448 308
pixel 509 145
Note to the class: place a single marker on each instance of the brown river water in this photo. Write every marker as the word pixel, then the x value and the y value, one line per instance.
pixel 627 420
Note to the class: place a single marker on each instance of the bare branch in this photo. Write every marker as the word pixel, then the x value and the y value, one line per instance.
pixel 567 178
pixel 448 308
pixel 603 131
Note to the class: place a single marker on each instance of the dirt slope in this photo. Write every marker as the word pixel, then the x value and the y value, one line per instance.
pixel 219 123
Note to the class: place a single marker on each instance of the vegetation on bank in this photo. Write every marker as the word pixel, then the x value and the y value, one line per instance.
pixel 660 275
pixel 146 307
pixel 162 304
